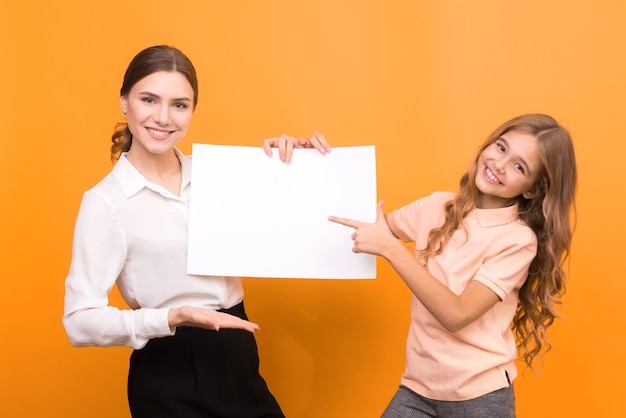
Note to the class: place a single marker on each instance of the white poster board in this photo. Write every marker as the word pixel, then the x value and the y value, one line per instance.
pixel 254 216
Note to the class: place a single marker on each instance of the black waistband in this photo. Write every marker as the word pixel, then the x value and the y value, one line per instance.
pixel 237 310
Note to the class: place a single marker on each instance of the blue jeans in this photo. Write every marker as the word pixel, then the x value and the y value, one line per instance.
pixel 408 404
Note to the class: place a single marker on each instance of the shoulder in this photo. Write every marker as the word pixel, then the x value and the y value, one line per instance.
pixel 108 190
pixel 439 197
pixel 514 237
pixel 523 233
pixel 425 212
pixel 434 201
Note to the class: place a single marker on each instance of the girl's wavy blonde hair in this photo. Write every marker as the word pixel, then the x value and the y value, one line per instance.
pixel 547 214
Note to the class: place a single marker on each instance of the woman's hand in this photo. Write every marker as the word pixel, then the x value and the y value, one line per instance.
pixel 373 238
pixel 207 318
pixel 286 144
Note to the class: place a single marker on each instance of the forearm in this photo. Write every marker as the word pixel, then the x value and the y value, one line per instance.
pixel 447 307
pixel 109 326
pixel 452 310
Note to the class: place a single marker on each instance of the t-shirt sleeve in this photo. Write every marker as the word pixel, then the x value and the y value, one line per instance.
pixel 508 269
pixel 419 216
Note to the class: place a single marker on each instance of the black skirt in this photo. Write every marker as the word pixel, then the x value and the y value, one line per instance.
pixel 200 373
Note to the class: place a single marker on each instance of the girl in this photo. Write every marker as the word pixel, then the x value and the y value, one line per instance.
pixel 487 256
pixel 132 230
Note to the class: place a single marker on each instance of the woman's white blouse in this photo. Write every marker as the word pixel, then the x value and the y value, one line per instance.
pixel 134 233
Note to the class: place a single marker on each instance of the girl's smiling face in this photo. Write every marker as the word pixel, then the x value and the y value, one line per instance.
pixel 508 168
pixel 159 108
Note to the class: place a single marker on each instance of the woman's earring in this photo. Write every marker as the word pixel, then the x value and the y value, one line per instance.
pixel 123 114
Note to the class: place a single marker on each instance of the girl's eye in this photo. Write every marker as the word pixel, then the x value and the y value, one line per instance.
pixel 520 167
pixel 500 147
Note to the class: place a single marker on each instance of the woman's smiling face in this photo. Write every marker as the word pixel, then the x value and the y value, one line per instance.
pixel 507 168
pixel 159 108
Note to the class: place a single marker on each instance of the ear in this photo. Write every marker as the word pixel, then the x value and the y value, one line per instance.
pixel 124 104
pixel 530 194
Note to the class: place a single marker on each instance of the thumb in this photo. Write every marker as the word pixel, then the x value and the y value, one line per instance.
pixel 379 210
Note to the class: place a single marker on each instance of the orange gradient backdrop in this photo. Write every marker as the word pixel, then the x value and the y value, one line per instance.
pixel 423 81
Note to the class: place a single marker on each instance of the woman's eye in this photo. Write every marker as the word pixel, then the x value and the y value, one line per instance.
pixel 148 100
pixel 180 105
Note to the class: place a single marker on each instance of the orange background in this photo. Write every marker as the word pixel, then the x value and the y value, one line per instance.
pixel 424 81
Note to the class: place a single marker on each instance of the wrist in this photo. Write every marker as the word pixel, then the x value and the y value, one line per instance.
pixel 173 318
pixel 394 250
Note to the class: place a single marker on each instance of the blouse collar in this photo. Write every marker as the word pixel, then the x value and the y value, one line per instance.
pixel 132 181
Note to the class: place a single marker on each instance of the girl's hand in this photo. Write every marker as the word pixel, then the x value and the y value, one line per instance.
pixel 286 144
pixel 207 318
pixel 372 238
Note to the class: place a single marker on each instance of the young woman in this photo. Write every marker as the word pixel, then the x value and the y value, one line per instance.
pixel 195 352
pixel 486 257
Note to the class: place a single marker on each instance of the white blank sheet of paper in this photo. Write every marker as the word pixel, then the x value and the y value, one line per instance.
pixel 254 216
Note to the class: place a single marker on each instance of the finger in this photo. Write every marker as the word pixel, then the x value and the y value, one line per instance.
pixel 318 141
pixel 282 146
pixel 248 326
pixel 267 146
pixel 345 221
pixel 379 210
pixel 302 143
pixel 232 321
pixel 289 148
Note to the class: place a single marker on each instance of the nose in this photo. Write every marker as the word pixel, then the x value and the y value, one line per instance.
pixel 500 164
pixel 162 115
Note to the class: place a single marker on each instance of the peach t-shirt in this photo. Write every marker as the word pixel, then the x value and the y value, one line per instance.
pixel 495 248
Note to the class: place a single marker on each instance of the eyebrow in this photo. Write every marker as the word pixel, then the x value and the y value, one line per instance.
pixel 524 163
pixel 156 96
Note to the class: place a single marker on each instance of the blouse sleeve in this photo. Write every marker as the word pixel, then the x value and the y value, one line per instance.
pixel 98 255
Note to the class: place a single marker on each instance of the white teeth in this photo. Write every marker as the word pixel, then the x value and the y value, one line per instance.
pixel 491 176
pixel 158 133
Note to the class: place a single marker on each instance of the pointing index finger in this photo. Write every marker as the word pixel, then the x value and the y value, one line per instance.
pixel 345 221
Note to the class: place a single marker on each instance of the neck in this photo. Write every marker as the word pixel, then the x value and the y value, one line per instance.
pixel 162 169
pixel 491 202
pixel 150 164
